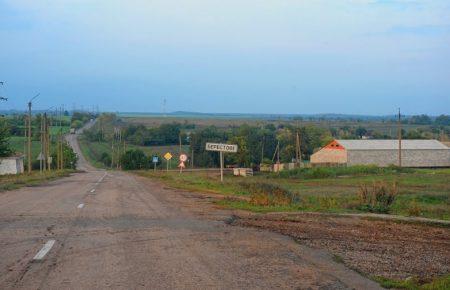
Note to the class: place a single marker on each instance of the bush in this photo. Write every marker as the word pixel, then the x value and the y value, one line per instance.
pixel 105 158
pixel 414 209
pixel 266 194
pixel 377 198
pixel 134 159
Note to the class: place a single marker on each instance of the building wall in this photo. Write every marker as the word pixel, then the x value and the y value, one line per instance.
pixel 410 158
pixel 11 166
pixel 329 156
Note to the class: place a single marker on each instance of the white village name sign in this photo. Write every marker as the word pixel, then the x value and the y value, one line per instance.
pixel 221 148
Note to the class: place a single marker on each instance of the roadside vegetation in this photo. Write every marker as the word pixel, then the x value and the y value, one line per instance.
pixel 440 283
pixel 13 141
pixel 10 182
pixel 410 192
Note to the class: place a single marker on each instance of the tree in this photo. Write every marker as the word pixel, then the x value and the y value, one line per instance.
pixel 198 141
pixel 69 156
pixel 420 120
pixel 413 134
pixel 5 150
pixel 361 131
pixel 443 120
pixel 134 159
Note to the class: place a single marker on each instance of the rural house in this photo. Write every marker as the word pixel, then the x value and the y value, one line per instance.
pixel 11 165
pixel 415 153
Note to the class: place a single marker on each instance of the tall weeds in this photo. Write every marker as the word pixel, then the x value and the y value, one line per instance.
pixel 377 198
pixel 266 194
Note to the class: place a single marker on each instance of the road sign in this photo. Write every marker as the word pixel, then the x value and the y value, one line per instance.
pixel 40 157
pixel 155 159
pixel 168 156
pixel 183 157
pixel 221 147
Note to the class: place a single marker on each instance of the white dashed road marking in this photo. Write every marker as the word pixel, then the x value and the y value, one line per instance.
pixel 45 249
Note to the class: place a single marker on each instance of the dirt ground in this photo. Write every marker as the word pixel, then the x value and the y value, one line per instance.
pixel 373 247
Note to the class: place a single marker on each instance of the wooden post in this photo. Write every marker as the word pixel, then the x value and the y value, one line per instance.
pixel 29 137
pixel 44 141
pixel 25 121
pixel 42 147
pixel 399 139
pixel 192 158
pixel 262 148
pixel 221 166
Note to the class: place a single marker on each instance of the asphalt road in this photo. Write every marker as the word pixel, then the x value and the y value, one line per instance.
pixel 115 230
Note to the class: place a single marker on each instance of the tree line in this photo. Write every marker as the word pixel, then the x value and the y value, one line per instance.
pixel 257 143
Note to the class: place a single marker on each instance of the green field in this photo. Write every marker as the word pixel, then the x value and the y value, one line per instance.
pixel 424 193
pixel 18 143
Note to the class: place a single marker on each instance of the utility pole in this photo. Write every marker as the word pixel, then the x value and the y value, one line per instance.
pixel 29 157
pixel 58 158
pixel 42 143
pixel 62 137
pixel 192 157
pixel 298 153
pixel 278 152
pixel 47 142
pixel 399 139
pixel 262 148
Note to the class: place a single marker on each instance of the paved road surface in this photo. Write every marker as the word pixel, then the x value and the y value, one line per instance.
pixel 116 230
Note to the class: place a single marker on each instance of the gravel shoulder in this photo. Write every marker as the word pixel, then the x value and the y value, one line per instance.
pixel 394 250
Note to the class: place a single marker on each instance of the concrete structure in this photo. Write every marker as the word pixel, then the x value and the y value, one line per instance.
pixel 242 172
pixel 11 165
pixel 415 153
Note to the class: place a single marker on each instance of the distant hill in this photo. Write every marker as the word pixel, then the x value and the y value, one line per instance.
pixel 331 116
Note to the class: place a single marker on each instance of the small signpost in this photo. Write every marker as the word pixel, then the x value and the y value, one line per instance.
pixel 155 160
pixel 41 159
pixel 168 156
pixel 221 148
pixel 183 158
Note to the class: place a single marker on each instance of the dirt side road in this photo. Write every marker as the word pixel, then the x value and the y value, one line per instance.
pixel 115 230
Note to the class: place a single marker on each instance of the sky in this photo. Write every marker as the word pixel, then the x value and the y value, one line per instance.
pixel 274 56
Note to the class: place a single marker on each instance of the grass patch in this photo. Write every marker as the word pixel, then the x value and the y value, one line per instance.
pixel 338 259
pixel 440 283
pixel 10 182
pixel 423 193
pixel 332 172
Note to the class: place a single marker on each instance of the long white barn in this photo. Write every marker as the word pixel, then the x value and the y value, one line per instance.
pixel 415 153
